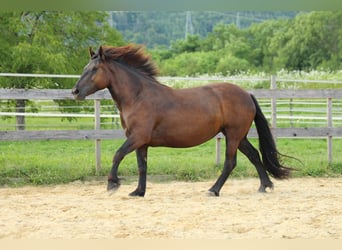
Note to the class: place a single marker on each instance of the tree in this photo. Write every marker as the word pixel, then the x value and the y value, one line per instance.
pixel 192 43
pixel 49 42
pixel 265 39
pixel 312 41
pixel 226 50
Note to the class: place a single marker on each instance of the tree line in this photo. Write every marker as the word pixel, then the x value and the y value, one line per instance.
pixel 57 42
pixel 160 28
pixel 307 42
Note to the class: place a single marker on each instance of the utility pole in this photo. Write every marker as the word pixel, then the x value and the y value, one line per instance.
pixel 238 20
pixel 189 29
pixel 110 18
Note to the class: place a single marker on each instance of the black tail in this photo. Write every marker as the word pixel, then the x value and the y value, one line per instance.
pixel 267 146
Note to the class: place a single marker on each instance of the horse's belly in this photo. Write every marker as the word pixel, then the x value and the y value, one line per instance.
pixel 183 136
pixel 179 142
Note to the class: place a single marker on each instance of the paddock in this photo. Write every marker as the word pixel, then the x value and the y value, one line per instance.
pixel 298 208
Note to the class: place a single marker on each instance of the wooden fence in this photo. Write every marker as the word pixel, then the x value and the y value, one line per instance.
pixel 97 134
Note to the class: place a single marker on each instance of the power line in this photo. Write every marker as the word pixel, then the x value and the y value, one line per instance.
pixel 189 29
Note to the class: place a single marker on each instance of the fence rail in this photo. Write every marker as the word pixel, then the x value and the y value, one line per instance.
pixel 64 94
pixel 177 78
pixel 97 134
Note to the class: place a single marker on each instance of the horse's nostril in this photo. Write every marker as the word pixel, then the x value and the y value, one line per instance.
pixel 75 91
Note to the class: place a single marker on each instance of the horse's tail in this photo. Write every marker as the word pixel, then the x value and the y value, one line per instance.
pixel 267 146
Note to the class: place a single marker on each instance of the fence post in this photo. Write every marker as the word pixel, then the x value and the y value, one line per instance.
pixel 274 106
pixel 291 112
pixel 218 148
pixel 97 141
pixel 330 124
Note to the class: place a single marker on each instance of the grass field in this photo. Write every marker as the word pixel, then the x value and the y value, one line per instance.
pixel 51 162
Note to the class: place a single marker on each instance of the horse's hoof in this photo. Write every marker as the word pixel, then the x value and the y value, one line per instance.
pixel 112 186
pixel 137 193
pixel 213 193
pixel 263 188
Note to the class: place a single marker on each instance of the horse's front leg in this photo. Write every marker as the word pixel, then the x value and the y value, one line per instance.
pixel 113 180
pixel 142 166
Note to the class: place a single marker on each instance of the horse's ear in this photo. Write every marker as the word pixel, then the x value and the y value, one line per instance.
pixel 101 55
pixel 91 52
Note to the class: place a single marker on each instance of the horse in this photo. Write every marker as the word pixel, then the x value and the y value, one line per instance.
pixel 153 114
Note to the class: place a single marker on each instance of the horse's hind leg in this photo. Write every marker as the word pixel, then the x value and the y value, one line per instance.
pixel 229 165
pixel 252 154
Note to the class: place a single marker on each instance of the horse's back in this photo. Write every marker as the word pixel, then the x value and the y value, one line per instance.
pixel 231 97
pixel 230 90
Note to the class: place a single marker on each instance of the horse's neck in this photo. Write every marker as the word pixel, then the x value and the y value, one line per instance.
pixel 127 85
pixel 124 87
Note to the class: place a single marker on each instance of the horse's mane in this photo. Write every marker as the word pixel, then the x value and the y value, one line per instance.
pixel 132 55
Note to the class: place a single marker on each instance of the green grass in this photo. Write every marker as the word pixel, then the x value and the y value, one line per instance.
pixel 53 162
pixel 56 123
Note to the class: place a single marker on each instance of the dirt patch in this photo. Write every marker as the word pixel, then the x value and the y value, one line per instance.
pixel 297 208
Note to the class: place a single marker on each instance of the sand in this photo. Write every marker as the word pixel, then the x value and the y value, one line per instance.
pixel 303 208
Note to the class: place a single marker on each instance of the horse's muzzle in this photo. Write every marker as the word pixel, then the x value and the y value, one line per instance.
pixel 75 91
pixel 76 94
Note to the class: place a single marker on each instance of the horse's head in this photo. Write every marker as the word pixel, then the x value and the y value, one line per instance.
pixel 95 76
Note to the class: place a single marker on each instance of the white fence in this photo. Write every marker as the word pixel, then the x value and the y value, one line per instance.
pixel 318 118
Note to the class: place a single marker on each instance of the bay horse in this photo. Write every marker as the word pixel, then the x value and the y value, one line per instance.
pixel 154 114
